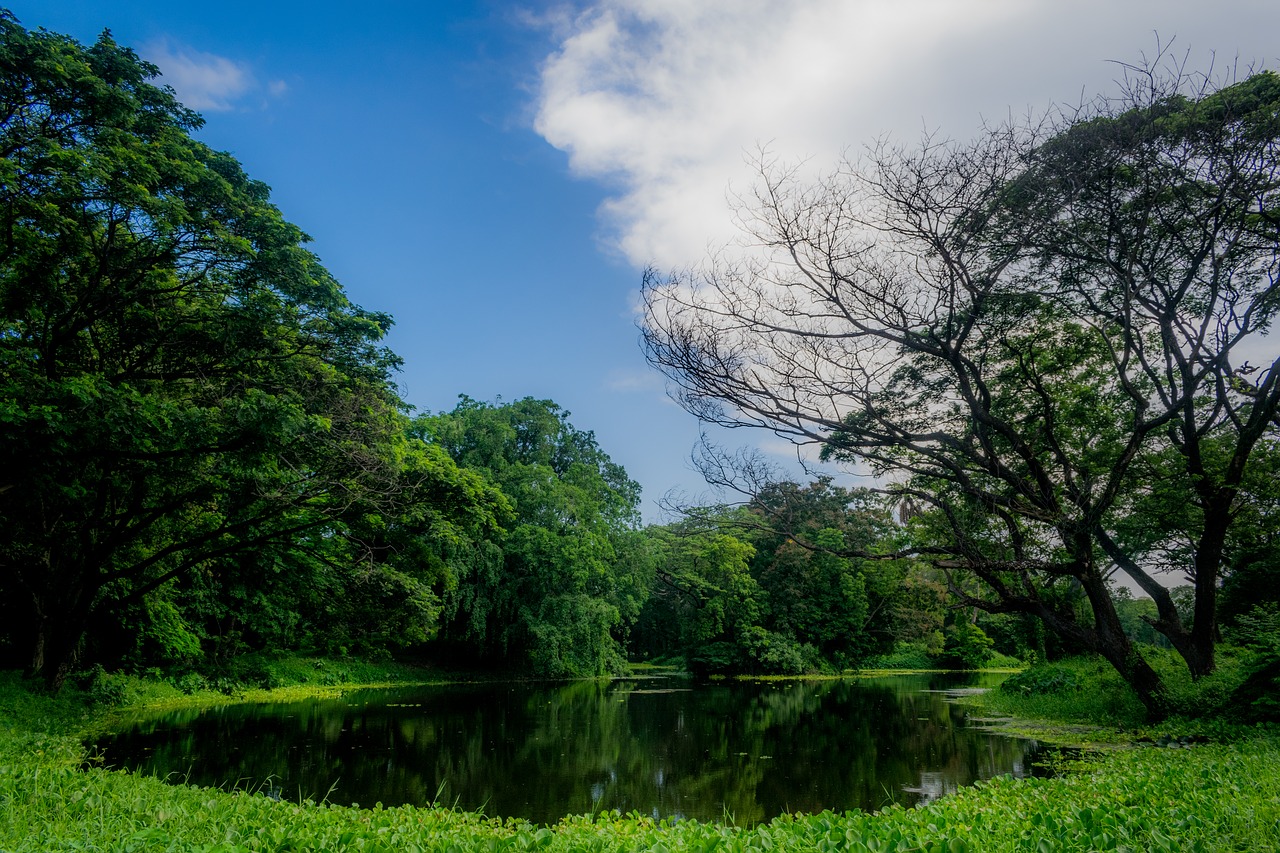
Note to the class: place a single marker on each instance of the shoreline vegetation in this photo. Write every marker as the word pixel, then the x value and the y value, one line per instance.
pixel 1220 790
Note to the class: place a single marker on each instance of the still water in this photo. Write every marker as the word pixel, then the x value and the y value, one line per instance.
pixel 737 751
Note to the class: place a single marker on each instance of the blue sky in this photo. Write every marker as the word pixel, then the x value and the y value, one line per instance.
pixel 496 175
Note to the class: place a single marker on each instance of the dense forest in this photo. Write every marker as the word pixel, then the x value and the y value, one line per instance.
pixel 203 454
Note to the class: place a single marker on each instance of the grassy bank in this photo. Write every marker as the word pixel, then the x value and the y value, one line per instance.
pixel 1216 796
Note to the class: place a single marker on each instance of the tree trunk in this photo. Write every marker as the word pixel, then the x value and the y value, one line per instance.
pixel 1144 680
pixel 56 646
pixel 1114 645
pixel 1200 654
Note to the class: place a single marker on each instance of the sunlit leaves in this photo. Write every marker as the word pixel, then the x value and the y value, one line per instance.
pixel 555 588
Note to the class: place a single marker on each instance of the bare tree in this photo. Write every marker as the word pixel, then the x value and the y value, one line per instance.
pixel 1041 336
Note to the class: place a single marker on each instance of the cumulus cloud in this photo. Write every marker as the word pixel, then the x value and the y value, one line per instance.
pixel 661 100
pixel 205 81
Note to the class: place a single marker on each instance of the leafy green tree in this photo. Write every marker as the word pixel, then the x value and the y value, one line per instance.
pixel 180 380
pixel 769 586
pixel 397 560
pixel 706 605
pixel 557 590
pixel 1017 332
pixel 816 593
pixel 967 645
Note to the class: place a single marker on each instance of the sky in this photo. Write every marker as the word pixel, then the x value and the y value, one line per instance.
pixel 496 176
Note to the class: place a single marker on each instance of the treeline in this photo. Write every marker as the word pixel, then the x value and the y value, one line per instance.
pixel 203 453
pixel 202 448
pixel 510 543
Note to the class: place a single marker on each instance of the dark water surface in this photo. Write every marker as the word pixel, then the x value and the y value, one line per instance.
pixel 665 747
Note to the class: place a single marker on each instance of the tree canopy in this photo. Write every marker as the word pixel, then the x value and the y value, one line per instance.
pixel 558 589
pixel 1049 342
pixel 181 380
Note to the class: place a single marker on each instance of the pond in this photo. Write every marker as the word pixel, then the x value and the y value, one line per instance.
pixel 734 751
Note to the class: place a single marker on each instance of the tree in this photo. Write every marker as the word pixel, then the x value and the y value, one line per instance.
pixel 556 590
pixel 180 380
pixel 1017 333
pixel 371 582
pixel 766 587
pixel 705 603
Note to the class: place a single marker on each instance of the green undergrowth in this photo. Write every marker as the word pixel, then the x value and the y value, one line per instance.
pixel 1078 691
pixel 1087 691
pixel 1210 797
pixel 915 656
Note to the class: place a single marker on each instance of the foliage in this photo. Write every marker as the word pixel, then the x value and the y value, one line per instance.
pixel 369 583
pixel 1107 700
pixel 1259 629
pixel 181 381
pixel 1042 680
pixel 769 588
pixel 1257 698
pixel 202 450
pixel 1086 689
pixel 905 656
pixel 706 604
pixel 967 646
pixel 1015 636
pixel 999 660
pixel 1039 338
pixel 1136 617
pixel 556 590
pixel 815 592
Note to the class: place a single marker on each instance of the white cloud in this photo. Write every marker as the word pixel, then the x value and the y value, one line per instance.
pixel 205 81
pixel 661 99
pixel 647 381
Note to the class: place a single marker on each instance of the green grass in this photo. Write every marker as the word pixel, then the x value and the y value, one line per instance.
pixel 1219 796
pixel 1088 691
pixel 1077 691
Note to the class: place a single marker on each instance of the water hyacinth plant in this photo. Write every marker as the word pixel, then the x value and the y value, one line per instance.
pixel 1217 796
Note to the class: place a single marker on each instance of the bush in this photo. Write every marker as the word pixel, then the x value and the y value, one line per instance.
pixel 1083 689
pixel 1207 696
pixel 715 659
pixel 1003 661
pixel 1259 630
pixel 778 654
pixel 109 689
pixel 903 656
pixel 967 646
pixel 191 682
pixel 1042 680
pixel 1257 700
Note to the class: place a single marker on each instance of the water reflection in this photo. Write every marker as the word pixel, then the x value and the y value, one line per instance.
pixel 740 751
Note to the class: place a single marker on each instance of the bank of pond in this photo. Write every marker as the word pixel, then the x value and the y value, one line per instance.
pixel 740 751
pixel 635 764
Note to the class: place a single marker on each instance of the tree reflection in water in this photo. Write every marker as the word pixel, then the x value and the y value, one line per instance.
pixel 734 751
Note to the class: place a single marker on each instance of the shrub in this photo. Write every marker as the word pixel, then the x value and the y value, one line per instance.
pixel 1041 680
pixel 967 646
pixel 779 654
pixel 1079 689
pixel 903 656
pixel 191 682
pixel 1257 700
pixel 714 659
pixel 1003 661
pixel 111 688
pixel 1259 630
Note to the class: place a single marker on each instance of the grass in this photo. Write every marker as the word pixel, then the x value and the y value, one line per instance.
pixel 1086 693
pixel 1218 796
